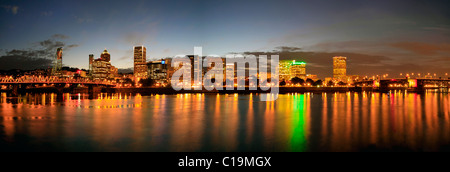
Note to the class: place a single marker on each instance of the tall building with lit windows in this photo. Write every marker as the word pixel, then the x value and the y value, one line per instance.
pixel 140 62
pixel 230 73
pixel 105 56
pixel 339 67
pixel 298 69
pixel 101 68
pixel 157 71
pixel 91 61
pixel 284 68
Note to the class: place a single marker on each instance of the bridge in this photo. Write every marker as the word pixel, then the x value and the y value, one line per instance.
pixel 416 84
pixel 16 85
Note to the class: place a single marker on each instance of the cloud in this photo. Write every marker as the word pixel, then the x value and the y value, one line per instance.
pixel 440 60
pixel 124 58
pixel 47 13
pixel 60 36
pixel 135 38
pixel 71 46
pixel 11 8
pixel 129 56
pixel 83 19
pixel 321 64
pixel 127 70
pixel 351 46
pixel 38 57
pixel 288 49
pixel 141 34
pixel 423 48
pixel 23 62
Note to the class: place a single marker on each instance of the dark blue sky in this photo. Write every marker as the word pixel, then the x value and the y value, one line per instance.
pixel 394 33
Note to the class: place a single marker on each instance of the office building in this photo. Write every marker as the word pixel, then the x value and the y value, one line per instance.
pixel 298 69
pixel 140 62
pixel 102 68
pixel 339 68
pixel 157 71
pixel 284 69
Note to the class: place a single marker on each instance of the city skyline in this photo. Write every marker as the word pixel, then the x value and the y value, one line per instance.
pixel 385 37
pixel 243 78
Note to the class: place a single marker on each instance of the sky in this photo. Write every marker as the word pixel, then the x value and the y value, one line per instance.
pixel 377 37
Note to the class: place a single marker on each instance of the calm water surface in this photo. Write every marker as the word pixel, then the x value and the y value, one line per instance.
pixel 210 122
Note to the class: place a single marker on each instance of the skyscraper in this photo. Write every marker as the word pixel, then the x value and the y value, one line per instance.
pixel 339 67
pixel 157 71
pixel 285 70
pixel 105 56
pixel 101 67
pixel 298 69
pixel 140 64
pixel 58 62
pixel 91 61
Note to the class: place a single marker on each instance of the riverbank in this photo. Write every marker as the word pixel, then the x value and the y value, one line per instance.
pixel 169 90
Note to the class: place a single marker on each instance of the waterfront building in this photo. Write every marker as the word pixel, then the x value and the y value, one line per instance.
pixel 313 77
pixel 284 69
pixel 230 73
pixel 157 71
pixel 339 68
pixel 298 69
pixel 350 79
pixel 91 61
pixel 57 67
pixel 102 68
pixel 140 62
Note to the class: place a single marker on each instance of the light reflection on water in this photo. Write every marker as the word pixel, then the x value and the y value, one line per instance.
pixel 216 122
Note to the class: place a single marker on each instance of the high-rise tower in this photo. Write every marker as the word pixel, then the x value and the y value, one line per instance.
pixel 91 61
pixel 58 62
pixel 105 56
pixel 339 67
pixel 140 60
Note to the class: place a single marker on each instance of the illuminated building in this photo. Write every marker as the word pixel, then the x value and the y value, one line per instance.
pixel 91 61
pixel 339 67
pixel 102 68
pixel 313 77
pixel 105 56
pixel 197 69
pixel 58 62
pixel 285 70
pixel 352 78
pixel 230 73
pixel 157 71
pixel 171 70
pixel 298 69
pixel 140 62
pixel 113 72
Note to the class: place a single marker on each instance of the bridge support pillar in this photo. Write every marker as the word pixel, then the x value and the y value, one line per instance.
pixel 15 90
pixel 91 91
pixel 420 86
